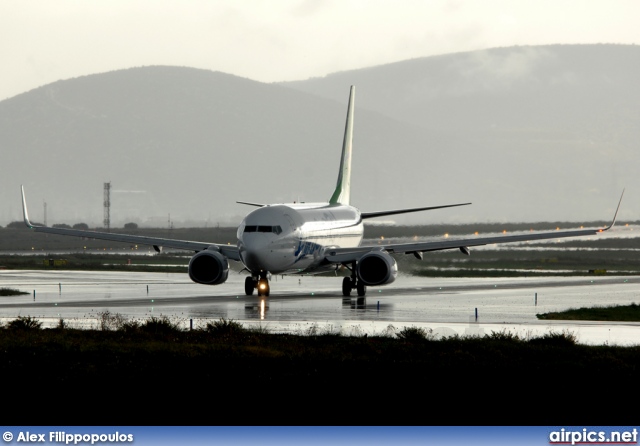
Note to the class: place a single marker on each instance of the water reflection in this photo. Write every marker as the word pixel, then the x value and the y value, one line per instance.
pixel 256 308
pixel 360 303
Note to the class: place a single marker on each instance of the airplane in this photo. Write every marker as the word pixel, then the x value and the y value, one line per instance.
pixel 309 238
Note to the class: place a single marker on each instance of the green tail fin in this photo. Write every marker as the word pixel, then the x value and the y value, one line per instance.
pixel 343 188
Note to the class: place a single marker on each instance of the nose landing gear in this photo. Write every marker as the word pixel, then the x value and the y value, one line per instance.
pixel 250 284
pixel 261 284
pixel 263 287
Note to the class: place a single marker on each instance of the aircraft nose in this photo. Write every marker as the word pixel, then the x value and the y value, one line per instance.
pixel 255 251
pixel 253 259
pixel 256 241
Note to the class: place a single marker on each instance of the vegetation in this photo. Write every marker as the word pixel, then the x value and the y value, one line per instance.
pixel 225 328
pixel 166 262
pixel 24 323
pixel 16 237
pixel 596 258
pixel 224 373
pixel 414 334
pixel 621 313
pixel 11 292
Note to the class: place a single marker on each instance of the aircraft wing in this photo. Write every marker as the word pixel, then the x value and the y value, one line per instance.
pixel 346 255
pixel 230 251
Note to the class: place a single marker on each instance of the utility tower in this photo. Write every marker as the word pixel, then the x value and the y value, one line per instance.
pixel 107 205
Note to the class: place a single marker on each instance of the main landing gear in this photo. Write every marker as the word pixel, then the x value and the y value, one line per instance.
pixel 352 282
pixel 261 283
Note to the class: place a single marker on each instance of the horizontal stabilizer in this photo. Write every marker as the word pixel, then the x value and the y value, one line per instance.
pixel 404 211
pixel 251 204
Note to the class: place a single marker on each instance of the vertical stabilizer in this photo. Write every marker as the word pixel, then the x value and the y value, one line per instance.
pixel 343 188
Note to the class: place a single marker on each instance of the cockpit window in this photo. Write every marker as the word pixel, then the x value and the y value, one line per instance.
pixel 261 228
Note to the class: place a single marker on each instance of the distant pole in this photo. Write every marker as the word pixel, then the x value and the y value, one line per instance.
pixel 34 294
pixel 190 324
pixel 59 288
pixel 476 314
pixel 536 300
pixel 147 289
pixel 107 206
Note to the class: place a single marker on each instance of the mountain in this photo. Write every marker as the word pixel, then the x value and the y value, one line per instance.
pixel 527 134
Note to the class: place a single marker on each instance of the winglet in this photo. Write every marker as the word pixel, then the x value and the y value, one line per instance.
pixel 616 214
pixel 24 210
pixel 343 188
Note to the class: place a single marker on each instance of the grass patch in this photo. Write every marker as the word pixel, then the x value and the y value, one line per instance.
pixel 11 292
pixel 225 328
pixel 24 323
pixel 622 313
pixel 415 334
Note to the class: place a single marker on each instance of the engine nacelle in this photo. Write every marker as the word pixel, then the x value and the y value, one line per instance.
pixel 377 268
pixel 209 268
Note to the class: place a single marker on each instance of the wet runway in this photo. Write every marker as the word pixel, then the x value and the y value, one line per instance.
pixel 303 305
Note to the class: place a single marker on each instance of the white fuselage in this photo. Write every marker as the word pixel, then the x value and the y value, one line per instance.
pixel 293 238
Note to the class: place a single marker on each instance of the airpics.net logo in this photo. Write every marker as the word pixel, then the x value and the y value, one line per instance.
pixel 66 438
pixel 586 436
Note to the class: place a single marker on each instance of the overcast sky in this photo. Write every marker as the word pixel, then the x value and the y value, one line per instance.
pixel 42 41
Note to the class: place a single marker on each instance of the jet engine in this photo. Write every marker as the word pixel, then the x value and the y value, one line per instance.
pixel 209 268
pixel 377 268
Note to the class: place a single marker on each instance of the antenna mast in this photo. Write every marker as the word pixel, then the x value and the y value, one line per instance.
pixel 107 206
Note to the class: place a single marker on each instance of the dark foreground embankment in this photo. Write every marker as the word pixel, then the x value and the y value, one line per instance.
pixel 154 374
